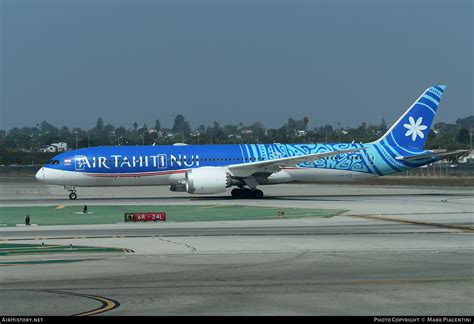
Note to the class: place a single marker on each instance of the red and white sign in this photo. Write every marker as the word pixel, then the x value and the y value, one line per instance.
pixel 147 217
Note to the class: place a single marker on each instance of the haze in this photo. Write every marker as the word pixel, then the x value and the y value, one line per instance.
pixel 70 62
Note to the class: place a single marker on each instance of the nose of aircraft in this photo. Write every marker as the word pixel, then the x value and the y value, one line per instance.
pixel 40 175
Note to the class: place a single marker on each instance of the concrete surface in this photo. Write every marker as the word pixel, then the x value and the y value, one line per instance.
pixel 397 251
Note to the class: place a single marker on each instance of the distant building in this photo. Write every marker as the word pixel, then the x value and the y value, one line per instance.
pixel 468 158
pixel 300 132
pixel 56 147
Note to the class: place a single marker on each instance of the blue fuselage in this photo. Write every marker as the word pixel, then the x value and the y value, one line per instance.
pixel 376 159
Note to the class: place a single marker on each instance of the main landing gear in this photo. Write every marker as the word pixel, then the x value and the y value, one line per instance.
pixel 247 193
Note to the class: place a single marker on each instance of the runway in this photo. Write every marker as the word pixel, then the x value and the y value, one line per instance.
pixel 396 251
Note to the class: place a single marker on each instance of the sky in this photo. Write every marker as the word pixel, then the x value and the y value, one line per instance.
pixel 70 62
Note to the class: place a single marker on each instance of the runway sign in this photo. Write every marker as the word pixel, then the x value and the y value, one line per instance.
pixel 145 217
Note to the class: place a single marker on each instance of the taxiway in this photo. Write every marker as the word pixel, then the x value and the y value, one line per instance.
pixel 397 251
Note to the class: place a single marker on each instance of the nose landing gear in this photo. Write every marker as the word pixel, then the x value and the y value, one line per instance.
pixel 72 192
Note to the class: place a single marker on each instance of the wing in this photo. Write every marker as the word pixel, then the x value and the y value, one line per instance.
pixel 271 166
pixel 436 154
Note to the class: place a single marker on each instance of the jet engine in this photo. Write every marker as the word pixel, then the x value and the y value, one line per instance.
pixel 205 181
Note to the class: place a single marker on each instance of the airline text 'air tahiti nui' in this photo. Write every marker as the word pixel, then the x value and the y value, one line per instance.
pixel 211 169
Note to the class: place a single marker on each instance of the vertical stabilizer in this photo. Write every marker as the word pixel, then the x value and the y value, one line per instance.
pixel 412 128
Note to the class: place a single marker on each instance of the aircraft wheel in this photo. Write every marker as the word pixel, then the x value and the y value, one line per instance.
pixel 258 194
pixel 72 196
pixel 247 193
pixel 236 193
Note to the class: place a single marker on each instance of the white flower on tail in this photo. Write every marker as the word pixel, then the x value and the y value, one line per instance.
pixel 415 128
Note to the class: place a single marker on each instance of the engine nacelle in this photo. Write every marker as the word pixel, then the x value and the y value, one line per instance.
pixel 204 181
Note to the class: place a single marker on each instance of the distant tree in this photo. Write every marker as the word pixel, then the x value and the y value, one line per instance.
pixel 230 130
pixel 186 128
pixel 64 132
pixel 463 136
pixel 257 126
pixel 291 124
pixel 100 124
pixel 216 134
pixel 467 122
pixel 325 133
pixel 181 127
pixel 109 129
pixel 120 131
pixel 299 124
pixel 305 122
pixel 431 135
pixel 17 140
pixel 383 126
pixel 46 127
pixel 178 124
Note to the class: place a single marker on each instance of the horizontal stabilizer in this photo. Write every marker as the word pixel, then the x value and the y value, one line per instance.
pixel 439 155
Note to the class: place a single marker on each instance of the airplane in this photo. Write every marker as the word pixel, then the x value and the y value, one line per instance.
pixel 211 169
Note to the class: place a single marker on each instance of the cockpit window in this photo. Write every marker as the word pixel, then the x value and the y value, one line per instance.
pixel 54 162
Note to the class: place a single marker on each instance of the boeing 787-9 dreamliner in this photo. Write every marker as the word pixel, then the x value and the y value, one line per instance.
pixel 211 169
